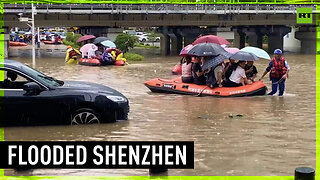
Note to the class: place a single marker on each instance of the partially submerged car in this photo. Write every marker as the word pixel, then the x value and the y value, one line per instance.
pixel 32 98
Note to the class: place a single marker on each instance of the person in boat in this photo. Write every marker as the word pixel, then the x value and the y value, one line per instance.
pixel 187 70
pixel 279 69
pixel 214 77
pixel 251 70
pixel 229 68
pixel 106 58
pixel 71 56
pixel 238 76
pixel 92 53
pixel 117 54
pixel 197 72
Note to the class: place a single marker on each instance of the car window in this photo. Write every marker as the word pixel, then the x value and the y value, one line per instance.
pixel 46 80
pixel 12 80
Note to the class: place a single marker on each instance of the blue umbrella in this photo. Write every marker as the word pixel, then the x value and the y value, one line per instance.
pixel 208 49
pixel 99 40
pixel 244 56
pixel 108 43
pixel 256 51
pixel 213 61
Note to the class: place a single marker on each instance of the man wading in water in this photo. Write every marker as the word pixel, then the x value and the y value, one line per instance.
pixel 279 69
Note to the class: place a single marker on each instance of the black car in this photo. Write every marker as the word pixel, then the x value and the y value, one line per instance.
pixel 32 98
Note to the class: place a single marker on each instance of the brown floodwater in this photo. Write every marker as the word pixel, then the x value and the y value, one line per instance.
pixel 274 136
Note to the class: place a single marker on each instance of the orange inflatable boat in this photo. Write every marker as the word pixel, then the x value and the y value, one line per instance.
pixel 96 62
pixel 52 42
pixel 14 43
pixel 176 86
pixel 177 69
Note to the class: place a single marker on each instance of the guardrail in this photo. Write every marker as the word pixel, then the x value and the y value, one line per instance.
pixel 155 9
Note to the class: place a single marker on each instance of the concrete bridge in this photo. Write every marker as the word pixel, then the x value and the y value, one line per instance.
pixel 179 24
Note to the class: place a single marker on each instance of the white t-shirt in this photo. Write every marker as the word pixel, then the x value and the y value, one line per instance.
pixel 216 70
pixel 237 74
pixel 91 53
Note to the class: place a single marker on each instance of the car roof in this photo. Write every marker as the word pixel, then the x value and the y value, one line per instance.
pixel 12 64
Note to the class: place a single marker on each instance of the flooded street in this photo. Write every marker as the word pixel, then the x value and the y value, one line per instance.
pixel 274 136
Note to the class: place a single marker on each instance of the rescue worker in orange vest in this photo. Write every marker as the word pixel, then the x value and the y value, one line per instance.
pixel 279 69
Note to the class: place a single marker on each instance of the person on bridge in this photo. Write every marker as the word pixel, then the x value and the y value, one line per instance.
pixel 279 69
pixel 71 56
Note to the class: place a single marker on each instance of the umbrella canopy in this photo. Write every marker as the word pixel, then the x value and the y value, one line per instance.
pixel 85 48
pixel 99 40
pixel 213 61
pixel 256 51
pixel 85 37
pixel 232 50
pixel 211 39
pixel 185 50
pixel 208 49
pixel 108 43
pixel 244 56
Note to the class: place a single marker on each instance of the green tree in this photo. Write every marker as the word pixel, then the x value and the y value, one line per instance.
pixel 152 37
pixel 125 41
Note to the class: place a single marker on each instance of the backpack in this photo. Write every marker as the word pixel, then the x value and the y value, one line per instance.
pixel 72 53
pixel 211 78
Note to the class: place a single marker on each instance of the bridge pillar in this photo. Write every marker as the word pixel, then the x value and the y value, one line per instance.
pixel 5 42
pixel 189 38
pixel 164 42
pixel 239 38
pixel 254 39
pixel 173 44
pixel 275 37
pixel 307 36
pixel 179 43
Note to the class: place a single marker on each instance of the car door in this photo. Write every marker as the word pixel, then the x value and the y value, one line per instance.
pixel 14 105
pixel 20 108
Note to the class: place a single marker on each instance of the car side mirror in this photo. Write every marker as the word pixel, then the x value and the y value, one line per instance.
pixel 31 88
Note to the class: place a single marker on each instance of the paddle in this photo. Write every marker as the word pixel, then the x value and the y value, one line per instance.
pixel 201 91
pixel 280 80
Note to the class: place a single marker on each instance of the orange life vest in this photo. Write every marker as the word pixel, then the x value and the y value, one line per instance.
pixel 278 68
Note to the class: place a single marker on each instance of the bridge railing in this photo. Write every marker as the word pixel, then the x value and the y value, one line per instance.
pixel 163 2
pixel 154 8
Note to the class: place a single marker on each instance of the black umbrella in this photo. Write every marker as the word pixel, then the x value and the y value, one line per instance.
pixel 99 40
pixel 208 49
pixel 244 56
pixel 213 61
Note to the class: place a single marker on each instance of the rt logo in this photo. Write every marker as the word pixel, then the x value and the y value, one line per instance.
pixel 304 15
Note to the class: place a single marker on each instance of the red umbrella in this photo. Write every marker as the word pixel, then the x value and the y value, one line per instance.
pixel 184 51
pixel 211 39
pixel 86 37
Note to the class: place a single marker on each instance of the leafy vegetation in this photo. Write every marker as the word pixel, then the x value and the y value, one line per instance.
pixel 133 57
pixel 125 41
pixel 71 40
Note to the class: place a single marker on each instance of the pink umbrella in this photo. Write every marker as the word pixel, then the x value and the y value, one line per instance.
pixel 184 51
pixel 232 50
pixel 85 37
pixel 211 39
pixel 85 48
